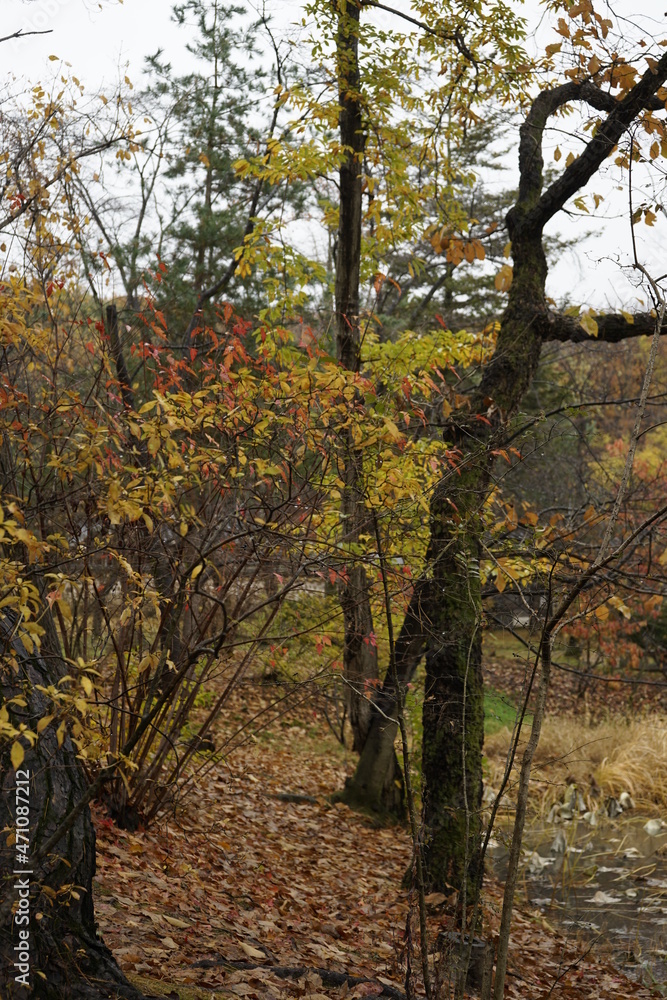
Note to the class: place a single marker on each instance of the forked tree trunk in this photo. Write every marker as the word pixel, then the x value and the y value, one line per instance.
pixel 66 959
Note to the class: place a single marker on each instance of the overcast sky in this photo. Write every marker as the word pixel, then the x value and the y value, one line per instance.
pixel 98 39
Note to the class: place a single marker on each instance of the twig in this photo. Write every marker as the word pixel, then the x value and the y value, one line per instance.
pixel 24 34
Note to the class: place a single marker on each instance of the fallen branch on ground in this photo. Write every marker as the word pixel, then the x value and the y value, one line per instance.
pixel 328 977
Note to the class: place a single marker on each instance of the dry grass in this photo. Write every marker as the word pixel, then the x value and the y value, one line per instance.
pixel 603 759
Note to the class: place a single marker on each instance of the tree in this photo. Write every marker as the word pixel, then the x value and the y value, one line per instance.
pixel 452 709
pixel 158 504
pixel 448 595
pixel 215 119
pixel 373 133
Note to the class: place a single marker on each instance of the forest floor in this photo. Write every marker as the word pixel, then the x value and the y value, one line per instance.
pixel 239 875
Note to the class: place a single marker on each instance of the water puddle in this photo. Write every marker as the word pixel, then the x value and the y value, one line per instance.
pixel 607 883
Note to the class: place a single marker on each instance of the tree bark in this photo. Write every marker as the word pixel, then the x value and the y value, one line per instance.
pixel 377 783
pixel 360 666
pixel 67 958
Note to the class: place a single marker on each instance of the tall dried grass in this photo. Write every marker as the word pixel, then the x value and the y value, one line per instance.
pixel 604 759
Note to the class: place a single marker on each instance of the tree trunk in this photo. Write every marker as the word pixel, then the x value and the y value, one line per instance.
pixel 377 783
pixel 453 713
pixel 48 938
pixel 360 653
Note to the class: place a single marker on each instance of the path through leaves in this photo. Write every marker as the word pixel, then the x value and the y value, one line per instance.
pixel 236 873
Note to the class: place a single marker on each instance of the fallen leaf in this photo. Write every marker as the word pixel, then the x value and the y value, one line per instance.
pixel 252 952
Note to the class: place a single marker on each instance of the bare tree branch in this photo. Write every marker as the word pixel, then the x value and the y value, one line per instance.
pixel 24 34
pixel 534 216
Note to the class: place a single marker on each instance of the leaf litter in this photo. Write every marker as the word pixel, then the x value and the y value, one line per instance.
pixel 236 876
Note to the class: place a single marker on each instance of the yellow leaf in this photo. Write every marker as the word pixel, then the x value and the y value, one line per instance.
pixel 87 685
pixel 43 723
pixel 65 611
pixel 17 755
pixel 175 922
pixel 589 325
pixel 503 279
pixel 53 58
pixel 620 605
pixel 146 662
pixel 392 428
pixel 196 571
pixel 602 613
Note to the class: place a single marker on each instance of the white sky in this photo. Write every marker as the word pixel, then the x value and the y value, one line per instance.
pixel 98 39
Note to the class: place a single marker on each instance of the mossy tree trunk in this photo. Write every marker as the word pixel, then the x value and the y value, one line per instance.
pixel 67 959
pixel 453 712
